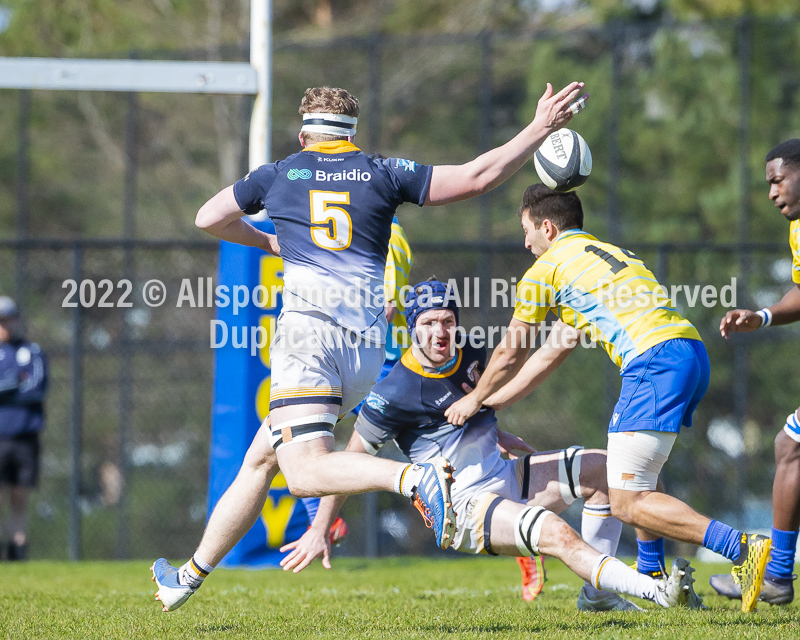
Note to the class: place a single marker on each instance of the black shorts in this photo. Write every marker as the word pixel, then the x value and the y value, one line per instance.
pixel 19 460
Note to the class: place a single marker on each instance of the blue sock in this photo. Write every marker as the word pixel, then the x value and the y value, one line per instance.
pixel 784 544
pixel 721 538
pixel 311 505
pixel 651 555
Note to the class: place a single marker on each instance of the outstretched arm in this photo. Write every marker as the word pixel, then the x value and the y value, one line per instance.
pixel 316 541
pixel 451 183
pixel 744 320
pixel 559 344
pixel 222 218
pixel 507 359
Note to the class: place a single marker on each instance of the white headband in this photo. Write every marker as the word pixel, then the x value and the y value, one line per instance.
pixel 334 124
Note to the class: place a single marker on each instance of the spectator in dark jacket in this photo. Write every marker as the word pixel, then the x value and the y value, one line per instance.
pixel 23 382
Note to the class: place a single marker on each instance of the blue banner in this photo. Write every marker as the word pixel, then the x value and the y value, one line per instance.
pixel 248 301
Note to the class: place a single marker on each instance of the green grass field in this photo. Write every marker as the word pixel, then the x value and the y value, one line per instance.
pixel 397 598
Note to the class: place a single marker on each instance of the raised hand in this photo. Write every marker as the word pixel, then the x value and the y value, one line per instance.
pixel 556 110
pixel 739 321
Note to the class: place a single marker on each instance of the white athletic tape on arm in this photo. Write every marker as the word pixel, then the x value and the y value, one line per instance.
pixel 564 478
pixel 528 529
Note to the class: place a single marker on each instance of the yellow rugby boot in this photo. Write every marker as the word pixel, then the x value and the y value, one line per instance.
pixel 748 570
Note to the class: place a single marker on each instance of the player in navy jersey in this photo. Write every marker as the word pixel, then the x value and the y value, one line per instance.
pixel 504 507
pixel 333 207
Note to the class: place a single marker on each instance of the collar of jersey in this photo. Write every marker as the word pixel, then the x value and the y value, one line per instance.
pixel 332 146
pixel 570 233
pixel 414 365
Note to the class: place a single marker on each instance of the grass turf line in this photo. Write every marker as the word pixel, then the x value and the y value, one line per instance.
pixel 390 598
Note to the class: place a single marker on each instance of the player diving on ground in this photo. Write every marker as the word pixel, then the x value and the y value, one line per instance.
pixel 332 207
pixel 503 507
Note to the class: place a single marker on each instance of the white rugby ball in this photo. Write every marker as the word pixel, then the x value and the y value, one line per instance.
pixel 564 161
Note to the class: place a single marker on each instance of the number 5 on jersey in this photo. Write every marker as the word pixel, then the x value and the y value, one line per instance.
pixel 331 227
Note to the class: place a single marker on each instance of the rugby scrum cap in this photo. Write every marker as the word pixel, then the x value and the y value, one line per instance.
pixel 425 296
pixel 8 308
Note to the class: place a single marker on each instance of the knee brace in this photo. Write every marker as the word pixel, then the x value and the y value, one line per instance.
pixel 302 429
pixel 569 474
pixel 528 529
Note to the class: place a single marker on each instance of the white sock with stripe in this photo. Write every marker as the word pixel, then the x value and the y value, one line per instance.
pixel 194 572
pixel 407 479
pixel 601 531
pixel 614 575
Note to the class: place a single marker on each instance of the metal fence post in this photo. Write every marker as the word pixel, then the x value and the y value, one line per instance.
pixel 740 367
pixel 618 33
pixel 126 352
pixel 485 201
pixel 23 191
pixel 76 417
pixel 370 504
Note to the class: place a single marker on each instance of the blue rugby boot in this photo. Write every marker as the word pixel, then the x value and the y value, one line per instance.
pixel 171 592
pixel 432 499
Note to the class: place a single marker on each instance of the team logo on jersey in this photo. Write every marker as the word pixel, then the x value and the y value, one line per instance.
pixel 354 175
pixel 374 401
pixel 615 418
pixel 471 372
pixel 301 174
pixel 23 356
pixel 443 398
pixel 406 165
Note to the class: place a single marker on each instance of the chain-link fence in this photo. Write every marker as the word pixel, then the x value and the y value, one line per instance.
pixel 678 123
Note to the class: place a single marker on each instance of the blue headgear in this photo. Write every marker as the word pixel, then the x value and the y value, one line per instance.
pixel 425 296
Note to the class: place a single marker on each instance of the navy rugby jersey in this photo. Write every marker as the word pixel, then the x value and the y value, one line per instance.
pixel 332 207
pixel 408 406
pixel 23 383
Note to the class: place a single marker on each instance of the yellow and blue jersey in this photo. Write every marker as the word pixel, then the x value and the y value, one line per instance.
pixel 603 290
pixel 794 243
pixel 332 207
pixel 399 261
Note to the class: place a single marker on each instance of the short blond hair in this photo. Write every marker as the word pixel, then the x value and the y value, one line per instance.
pixel 327 100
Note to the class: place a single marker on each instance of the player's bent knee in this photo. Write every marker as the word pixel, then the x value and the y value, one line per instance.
pixel 593 475
pixel 528 529
pixel 622 503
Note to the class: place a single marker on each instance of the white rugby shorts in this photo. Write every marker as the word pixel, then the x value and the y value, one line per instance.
pixel 316 361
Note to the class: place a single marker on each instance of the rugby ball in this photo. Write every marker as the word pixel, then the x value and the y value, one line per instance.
pixel 563 161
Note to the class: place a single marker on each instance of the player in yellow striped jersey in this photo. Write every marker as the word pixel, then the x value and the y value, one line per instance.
pixel 783 177
pixel 608 293
pixel 398 265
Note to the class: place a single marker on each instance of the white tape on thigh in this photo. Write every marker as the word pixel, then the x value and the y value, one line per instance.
pixel 635 458
pixel 330 418
pixel 282 433
pixel 528 529
pixel 569 474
